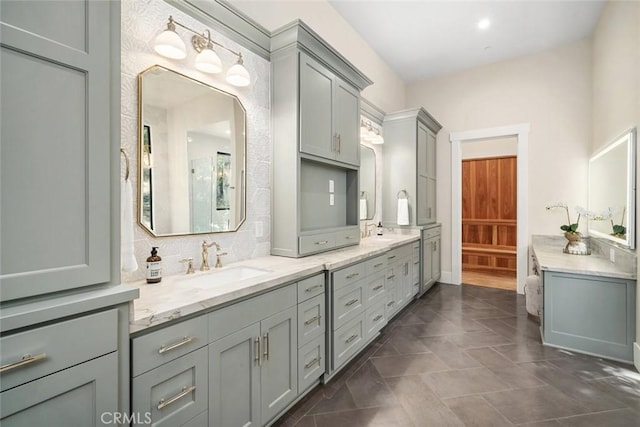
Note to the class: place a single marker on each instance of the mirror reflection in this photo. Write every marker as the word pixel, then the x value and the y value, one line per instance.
pixel 192 156
pixel 611 191
pixel 367 182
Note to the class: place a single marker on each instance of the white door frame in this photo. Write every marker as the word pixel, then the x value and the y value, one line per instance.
pixel 521 131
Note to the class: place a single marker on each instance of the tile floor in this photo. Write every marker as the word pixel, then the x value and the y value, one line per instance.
pixel 470 356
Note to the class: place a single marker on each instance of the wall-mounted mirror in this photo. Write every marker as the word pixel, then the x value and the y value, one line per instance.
pixel 191 156
pixel 367 182
pixel 612 182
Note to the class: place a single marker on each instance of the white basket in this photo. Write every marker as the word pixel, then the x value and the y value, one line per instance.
pixel 533 295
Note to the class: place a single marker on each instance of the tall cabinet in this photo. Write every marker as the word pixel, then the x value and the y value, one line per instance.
pixel 315 105
pixel 59 229
pixel 409 164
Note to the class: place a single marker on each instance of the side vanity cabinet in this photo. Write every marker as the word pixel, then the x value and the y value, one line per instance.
pixel 410 141
pixel 315 106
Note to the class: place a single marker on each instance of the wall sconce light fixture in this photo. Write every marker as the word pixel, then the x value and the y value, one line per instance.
pixel 370 133
pixel 169 44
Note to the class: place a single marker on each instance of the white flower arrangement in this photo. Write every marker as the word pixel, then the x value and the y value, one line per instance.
pixel 572 227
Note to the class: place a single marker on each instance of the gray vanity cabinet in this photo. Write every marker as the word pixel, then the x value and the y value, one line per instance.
pixel 431 255
pixel 253 370
pixel 315 106
pixel 409 164
pixel 59 76
pixel 329 114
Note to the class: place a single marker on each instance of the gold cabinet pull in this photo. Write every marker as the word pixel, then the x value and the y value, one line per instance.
pixel 165 348
pixel 390 303
pixel 391 277
pixel 353 301
pixel 351 338
pixel 313 288
pixel 351 276
pixel 185 392
pixel 266 346
pixel 258 351
pixel 313 320
pixel 322 242
pixel 378 265
pixel 27 359
pixel 313 362
pixel 378 317
pixel 391 257
pixel 378 287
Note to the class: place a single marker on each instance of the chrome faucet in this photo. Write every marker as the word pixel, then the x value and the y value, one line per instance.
pixel 189 262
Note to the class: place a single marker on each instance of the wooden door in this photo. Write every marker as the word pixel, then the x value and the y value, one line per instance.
pixel 489 232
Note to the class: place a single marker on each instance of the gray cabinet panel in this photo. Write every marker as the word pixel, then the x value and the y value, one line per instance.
pixel 374 291
pixel 279 373
pixel 172 393
pixel 348 302
pixel 311 319
pixel 316 108
pixel 234 361
pixel 348 340
pixel 74 397
pixel 347 120
pixel 375 320
pixel 591 314
pixel 55 75
pixel 311 363
pixel 310 287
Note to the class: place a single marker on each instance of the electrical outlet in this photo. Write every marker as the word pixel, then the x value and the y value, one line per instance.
pixel 332 200
pixel 612 255
pixel 259 229
pixel 331 186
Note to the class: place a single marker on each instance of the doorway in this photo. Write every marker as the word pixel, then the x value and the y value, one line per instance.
pixel 521 133
pixel 489 213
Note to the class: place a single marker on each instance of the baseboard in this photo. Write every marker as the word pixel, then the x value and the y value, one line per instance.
pixel 445 277
pixel 636 355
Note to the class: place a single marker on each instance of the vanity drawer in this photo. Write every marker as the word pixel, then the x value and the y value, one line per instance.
pixel 311 363
pixel 311 319
pixel 348 340
pixel 431 232
pixel 393 277
pixel 375 320
pixel 310 287
pixel 374 289
pixel 376 264
pixel 317 243
pixel 348 237
pixel 175 392
pixel 57 346
pixel 392 305
pixel 347 303
pixel 154 349
pixel 348 275
pixel 416 253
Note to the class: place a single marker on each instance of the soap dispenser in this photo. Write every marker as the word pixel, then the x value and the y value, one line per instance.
pixel 154 266
pixel 379 231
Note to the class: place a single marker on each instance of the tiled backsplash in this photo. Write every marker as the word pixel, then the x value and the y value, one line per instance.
pixel 142 20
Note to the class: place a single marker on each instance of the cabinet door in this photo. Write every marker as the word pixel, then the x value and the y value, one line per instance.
pixel 427 264
pixel 55 173
pixel 407 278
pixel 84 395
pixel 316 109
pixel 435 259
pixel 234 379
pixel 347 120
pixel 423 150
pixel 279 375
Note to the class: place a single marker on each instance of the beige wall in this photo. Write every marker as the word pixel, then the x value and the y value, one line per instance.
pixel 388 90
pixel 494 147
pixel 616 84
pixel 551 90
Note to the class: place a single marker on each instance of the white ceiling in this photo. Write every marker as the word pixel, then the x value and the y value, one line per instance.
pixel 424 38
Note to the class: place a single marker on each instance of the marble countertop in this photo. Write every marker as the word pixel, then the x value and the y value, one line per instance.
pixel 548 252
pixel 182 295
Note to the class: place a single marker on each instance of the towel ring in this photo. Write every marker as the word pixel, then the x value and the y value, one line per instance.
pixel 126 161
pixel 406 195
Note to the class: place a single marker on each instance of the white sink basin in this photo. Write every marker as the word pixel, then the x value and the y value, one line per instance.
pixel 222 277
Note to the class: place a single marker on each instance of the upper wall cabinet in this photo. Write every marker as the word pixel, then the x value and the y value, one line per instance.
pixel 59 70
pixel 315 109
pixel 409 164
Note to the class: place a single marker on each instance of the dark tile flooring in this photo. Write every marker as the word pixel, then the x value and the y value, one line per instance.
pixel 470 356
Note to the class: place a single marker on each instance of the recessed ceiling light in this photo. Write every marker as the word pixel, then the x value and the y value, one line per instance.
pixel 483 24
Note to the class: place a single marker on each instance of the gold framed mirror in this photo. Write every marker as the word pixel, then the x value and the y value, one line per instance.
pixel 191 156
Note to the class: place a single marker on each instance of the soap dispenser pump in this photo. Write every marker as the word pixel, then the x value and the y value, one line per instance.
pixel 379 230
pixel 154 267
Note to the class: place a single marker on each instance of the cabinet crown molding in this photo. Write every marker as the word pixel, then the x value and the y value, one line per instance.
pixel 416 113
pixel 300 35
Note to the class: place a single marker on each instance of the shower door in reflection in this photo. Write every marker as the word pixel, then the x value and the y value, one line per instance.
pixel 202 195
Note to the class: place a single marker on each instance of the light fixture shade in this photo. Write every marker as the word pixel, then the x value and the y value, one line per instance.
pixel 378 140
pixel 237 75
pixel 169 44
pixel 208 61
